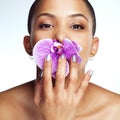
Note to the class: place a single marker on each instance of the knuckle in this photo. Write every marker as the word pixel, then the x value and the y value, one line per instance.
pixel 59 79
pixel 47 65
pixel 46 80
pixel 84 86
pixel 48 101
pixel 36 101
pixel 60 76
pixel 73 80
pixel 61 63
pixel 70 102
pixel 58 101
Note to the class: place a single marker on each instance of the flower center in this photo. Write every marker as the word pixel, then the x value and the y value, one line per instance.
pixel 57 48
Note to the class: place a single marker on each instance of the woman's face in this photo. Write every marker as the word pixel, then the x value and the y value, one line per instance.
pixel 60 19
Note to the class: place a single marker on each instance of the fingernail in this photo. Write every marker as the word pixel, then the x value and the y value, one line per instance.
pixel 62 56
pixel 74 59
pixel 41 74
pixel 91 72
pixel 48 57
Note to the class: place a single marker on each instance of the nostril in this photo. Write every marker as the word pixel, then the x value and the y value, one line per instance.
pixel 60 35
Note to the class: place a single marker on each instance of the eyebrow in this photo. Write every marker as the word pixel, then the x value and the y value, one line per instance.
pixel 45 14
pixel 79 15
pixel 53 16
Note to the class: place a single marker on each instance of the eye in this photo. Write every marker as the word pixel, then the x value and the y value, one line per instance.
pixel 45 26
pixel 77 27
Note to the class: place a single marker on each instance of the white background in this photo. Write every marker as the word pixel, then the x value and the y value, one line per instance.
pixel 15 66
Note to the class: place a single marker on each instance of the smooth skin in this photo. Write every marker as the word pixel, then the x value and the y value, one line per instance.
pixel 73 97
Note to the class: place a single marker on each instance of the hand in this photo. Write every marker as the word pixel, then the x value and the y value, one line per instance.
pixel 58 102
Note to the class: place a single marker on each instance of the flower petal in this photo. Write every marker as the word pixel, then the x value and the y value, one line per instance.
pixel 78 47
pixel 41 50
pixel 72 48
pixel 46 46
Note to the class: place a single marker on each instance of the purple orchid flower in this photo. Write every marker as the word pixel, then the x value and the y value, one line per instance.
pixel 55 49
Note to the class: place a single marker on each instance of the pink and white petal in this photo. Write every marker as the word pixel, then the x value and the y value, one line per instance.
pixel 41 50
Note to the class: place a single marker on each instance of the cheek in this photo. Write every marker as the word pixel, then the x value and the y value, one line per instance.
pixel 84 55
pixel 36 36
pixel 86 45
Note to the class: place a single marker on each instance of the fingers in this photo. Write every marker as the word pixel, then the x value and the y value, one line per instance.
pixel 46 88
pixel 73 76
pixel 43 87
pixel 60 75
pixel 47 78
pixel 83 87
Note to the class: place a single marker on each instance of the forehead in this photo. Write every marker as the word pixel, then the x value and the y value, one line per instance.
pixel 62 7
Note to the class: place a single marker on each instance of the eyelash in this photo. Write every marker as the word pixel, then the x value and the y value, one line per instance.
pixel 45 26
pixel 76 27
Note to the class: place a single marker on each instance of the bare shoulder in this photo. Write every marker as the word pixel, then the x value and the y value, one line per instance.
pixel 102 92
pixel 103 102
pixel 5 109
pixel 13 100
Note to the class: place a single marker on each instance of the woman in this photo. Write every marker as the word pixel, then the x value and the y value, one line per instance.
pixel 71 97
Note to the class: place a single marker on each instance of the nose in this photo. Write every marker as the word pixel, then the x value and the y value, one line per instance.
pixel 60 34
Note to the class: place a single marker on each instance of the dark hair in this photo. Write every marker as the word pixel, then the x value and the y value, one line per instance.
pixel 36 4
pixel 93 16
